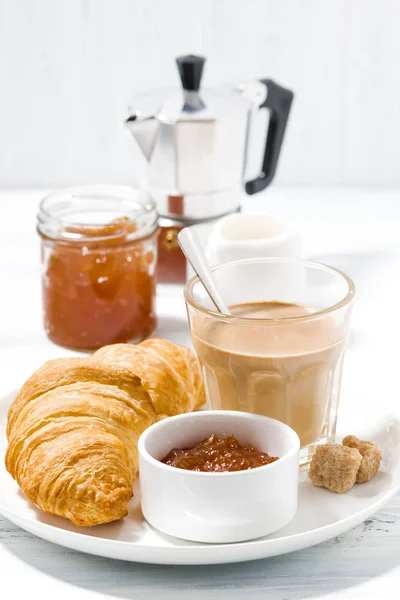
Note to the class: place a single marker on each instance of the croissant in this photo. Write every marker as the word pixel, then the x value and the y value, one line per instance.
pixel 172 379
pixel 74 426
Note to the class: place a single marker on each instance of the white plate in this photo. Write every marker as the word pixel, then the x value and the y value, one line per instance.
pixel 321 515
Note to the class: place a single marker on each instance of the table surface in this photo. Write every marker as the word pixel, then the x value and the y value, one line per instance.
pixel 354 229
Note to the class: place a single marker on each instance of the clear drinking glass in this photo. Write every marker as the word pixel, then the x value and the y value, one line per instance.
pixel 286 360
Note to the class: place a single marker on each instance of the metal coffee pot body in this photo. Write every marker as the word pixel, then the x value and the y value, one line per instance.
pixel 192 145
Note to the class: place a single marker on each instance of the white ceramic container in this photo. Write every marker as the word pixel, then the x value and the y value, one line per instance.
pixel 242 235
pixel 219 507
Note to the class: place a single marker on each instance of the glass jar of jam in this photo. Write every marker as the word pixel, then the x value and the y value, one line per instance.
pixel 98 252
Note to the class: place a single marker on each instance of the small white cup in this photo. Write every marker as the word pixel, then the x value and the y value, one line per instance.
pixel 240 236
pixel 219 507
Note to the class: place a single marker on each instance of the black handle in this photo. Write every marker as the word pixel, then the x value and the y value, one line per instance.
pixel 190 70
pixel 278 101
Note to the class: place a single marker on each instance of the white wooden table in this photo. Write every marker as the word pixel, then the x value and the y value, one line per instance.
pixel 353 229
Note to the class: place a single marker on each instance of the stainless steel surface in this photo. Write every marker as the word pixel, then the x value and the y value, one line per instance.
pixel 195 150
pixel 200 207
pixel 192 143
pixel 172 221
pixel 193 250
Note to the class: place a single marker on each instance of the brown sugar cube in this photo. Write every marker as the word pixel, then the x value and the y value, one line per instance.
pixel 335 467
pixel 371 457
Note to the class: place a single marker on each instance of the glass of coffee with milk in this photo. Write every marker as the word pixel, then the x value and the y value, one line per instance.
pixel 280 352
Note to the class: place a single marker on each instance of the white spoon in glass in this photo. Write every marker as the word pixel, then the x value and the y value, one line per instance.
pixel 191 247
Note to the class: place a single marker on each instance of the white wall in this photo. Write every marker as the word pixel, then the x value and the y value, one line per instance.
pixel 68 68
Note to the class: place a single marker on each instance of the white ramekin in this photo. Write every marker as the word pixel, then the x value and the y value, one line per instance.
pixel 219 507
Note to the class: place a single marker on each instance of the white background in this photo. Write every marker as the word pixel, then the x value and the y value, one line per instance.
pixel 68 69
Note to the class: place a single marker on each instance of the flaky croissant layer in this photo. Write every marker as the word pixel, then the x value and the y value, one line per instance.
pixel 73 429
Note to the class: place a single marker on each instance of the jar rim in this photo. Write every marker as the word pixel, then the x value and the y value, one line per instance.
pixel 92 213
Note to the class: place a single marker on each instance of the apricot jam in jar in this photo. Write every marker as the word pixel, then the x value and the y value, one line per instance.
pixel 99 253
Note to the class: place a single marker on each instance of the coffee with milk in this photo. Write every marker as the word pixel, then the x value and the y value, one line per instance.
pixel 275 360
